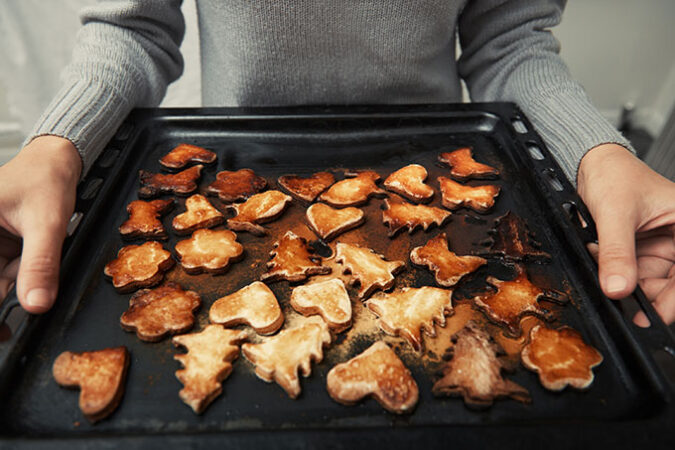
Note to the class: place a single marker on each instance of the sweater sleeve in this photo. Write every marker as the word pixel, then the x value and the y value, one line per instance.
pixel 509 54
pixel 126 54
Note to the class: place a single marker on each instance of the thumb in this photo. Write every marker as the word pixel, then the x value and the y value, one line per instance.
pixel 37 282
pixel 616 259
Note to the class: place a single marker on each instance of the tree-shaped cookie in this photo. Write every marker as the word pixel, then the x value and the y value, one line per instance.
pixel 155 313
pixel 184 154
pixel 411 311
pixel 254 305
pixel 99 375
pixel 182 183
pixel 353 191
pixel 400 214
pixel 207 363
pixel 329 299
pixel 463 166
pixel 560 357
pixel 138 266
pixel 199 214
pixel 475 371
pixel 307 189
pixel 234 186
pixel 409 182
pixel 143 221
pixel 260 208
pixel 376 372
pixel 479 198
pixel 279 358
pixel 292 260
pixel 512 300
pixel 370 270
pixel 209 251
pixel 447 267
pixel 328 222
pixel 512 239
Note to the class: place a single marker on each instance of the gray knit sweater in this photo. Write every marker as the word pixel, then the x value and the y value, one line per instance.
pixel 295 52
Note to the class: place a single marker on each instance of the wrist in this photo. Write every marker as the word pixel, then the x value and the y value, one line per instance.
pixel 597 161
pixel 59 154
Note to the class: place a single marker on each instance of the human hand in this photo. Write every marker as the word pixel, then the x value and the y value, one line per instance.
pixel 36 202
pixel 634 212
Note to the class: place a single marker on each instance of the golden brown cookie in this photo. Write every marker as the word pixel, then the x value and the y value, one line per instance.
pixel 138 266
pixel 184 154
pixel 207 363
pixel 260 208
pixel 155 313
pixel 400 214
pixel 199 213
pixel 292 260
pixel 376 372
pixel 329 222
pixel 279 358
pixel 100 376
pixel 370 270
pixel 560 357
pixel 411 311
pixel 409 182
pixel 479 198
pixel 329 299
pixel 353 191
pixel 463 166
pixel 209 251
pixel 182 183
pixel 447 267
pixel 234 186
pixel 307 189
pixel 143 221
pixel 254 305
pixel 475 372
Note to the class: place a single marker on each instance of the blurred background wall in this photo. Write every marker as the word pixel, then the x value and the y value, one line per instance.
pixel 622 51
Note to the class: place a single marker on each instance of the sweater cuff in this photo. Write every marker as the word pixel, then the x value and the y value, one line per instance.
pixel 572 127
pixel 87 113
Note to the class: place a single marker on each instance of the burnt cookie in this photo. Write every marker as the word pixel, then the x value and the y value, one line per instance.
pixel 329 222
pixel 292 260
pixel 279 358
pixel 235 186
pixel 209 251
pixel 260 208
pixel 376 372
pixel 199 213
pixel 409 182
pixel 560 357
pixel 403 215
pixel 138 266
pixel 185 154
pixel 329 299
pixel 307 189
pixel 254 305
pixel 182 183
pixel 448 268
pixel 475 371
pixel 463 166
pixel 154 314
pixel 370 270
pixel 411 311
pixel 207 363
pixel 512 239
pixel 143 221
pixel 479 198
pixel 512 300
pixel 353 191
pixel 100 376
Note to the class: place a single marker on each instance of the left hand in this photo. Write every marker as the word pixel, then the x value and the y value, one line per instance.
pixel 634 212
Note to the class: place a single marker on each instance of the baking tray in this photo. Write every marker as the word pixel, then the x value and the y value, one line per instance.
pixel 629 403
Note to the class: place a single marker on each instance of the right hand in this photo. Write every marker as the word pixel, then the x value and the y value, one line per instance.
pixel 37 200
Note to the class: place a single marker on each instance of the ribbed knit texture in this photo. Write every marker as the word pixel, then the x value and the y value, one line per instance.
pixel 283 52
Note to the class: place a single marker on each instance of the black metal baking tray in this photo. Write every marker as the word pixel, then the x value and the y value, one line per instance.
pixel 630 403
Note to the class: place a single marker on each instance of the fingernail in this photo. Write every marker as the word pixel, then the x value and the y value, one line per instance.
pixel 39 298
pixel 641 320
pixel 616 283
